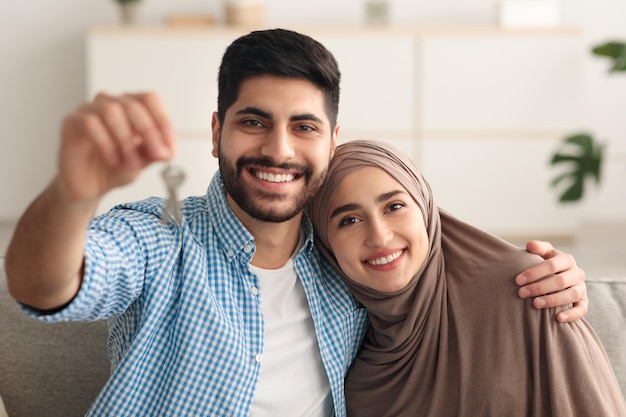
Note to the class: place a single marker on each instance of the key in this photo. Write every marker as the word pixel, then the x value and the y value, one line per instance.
pixel 173 176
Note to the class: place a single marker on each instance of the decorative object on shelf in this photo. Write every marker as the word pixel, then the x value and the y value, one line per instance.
pixel 245 12
pixel 190 20
pixel 129 10
pixel 586 154
pixel 376 12
pixel 528 13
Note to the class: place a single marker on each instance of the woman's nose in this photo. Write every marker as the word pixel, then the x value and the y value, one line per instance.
pixel 378 233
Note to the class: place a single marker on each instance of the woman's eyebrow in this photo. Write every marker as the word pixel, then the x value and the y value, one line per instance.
pixel 353 206
pixel 387 196
pixel 342 209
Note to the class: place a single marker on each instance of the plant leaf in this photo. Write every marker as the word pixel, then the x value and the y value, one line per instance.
pixel 614 50
pixel 584 156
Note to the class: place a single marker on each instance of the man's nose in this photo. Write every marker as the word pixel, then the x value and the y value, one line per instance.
pixel 279 145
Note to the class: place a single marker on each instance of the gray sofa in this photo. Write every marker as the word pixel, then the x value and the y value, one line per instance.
pixel 50 370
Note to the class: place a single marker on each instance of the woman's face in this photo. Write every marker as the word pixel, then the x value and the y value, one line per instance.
pixel 376 230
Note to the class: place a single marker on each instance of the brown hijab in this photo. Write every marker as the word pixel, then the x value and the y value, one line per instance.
pixel 457 341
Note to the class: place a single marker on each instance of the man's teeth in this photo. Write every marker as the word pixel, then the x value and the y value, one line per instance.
pixel 268 176
pixel 385 260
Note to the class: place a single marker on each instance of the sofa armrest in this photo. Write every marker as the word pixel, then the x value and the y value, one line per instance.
pixel 49 369
pixel 607 315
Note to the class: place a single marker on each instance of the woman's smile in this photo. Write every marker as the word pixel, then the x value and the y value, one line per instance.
pixel 385 260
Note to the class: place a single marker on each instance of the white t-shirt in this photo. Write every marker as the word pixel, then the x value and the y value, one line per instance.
pixel 293 381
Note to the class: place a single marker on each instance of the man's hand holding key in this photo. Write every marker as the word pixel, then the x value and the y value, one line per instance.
pixel 107 142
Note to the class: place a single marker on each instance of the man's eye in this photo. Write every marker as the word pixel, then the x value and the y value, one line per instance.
pixel 251 123
pixel 306 128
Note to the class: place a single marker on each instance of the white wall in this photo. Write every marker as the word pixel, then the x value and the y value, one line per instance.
pixel 42 75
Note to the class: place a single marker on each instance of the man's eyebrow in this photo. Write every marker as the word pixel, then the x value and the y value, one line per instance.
pixel 353 206
pixel 255 111
pixel 306 116
pixel 266 115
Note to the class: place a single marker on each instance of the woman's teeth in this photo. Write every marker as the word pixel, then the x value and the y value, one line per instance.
pixel 386 259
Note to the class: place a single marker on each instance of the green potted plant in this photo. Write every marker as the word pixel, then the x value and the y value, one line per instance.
pixel 581 152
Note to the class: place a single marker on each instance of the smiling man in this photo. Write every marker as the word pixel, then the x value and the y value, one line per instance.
pixel 232 311
pixel 277 150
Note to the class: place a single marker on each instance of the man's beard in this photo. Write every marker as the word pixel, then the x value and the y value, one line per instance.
pixel 267 207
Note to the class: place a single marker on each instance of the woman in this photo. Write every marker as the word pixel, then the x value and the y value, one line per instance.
pixel 448 334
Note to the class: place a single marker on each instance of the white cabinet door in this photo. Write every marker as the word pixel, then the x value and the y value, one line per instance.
pixel 501 185
pixel 501 83
pixel 378 82
pixel 494 109
pixel 182 67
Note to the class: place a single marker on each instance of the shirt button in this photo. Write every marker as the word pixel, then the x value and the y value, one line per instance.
pixel 230 253
pixel 247 248
pixel 254 290
pixel 258 358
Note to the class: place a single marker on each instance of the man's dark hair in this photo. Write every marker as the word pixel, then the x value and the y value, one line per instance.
pixel 281 53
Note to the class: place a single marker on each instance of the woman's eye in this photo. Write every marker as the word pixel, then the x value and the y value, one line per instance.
pixel 396 206
pixel 347 221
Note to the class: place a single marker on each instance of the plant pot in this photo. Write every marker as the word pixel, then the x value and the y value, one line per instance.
pixel 129 12
pixel 376 12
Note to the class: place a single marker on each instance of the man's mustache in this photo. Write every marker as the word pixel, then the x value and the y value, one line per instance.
pixel 267 162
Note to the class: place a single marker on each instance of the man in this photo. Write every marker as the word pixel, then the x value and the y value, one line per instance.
pixel 232 312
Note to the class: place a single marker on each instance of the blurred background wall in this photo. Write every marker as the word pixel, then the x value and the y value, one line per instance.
pixel 43 75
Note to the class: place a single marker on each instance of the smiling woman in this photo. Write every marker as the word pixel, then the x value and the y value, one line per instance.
pixel 377 233
pixel 449 332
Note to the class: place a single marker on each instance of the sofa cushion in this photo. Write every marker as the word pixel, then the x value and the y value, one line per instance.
pixel 607 315
pixel 49 369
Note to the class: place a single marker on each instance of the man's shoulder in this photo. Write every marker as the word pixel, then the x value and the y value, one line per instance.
pixel 150 205
pixel 328 279
pixel 142 221
pixel 155 206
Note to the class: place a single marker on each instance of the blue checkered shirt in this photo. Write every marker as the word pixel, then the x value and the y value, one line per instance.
pixel 185 326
